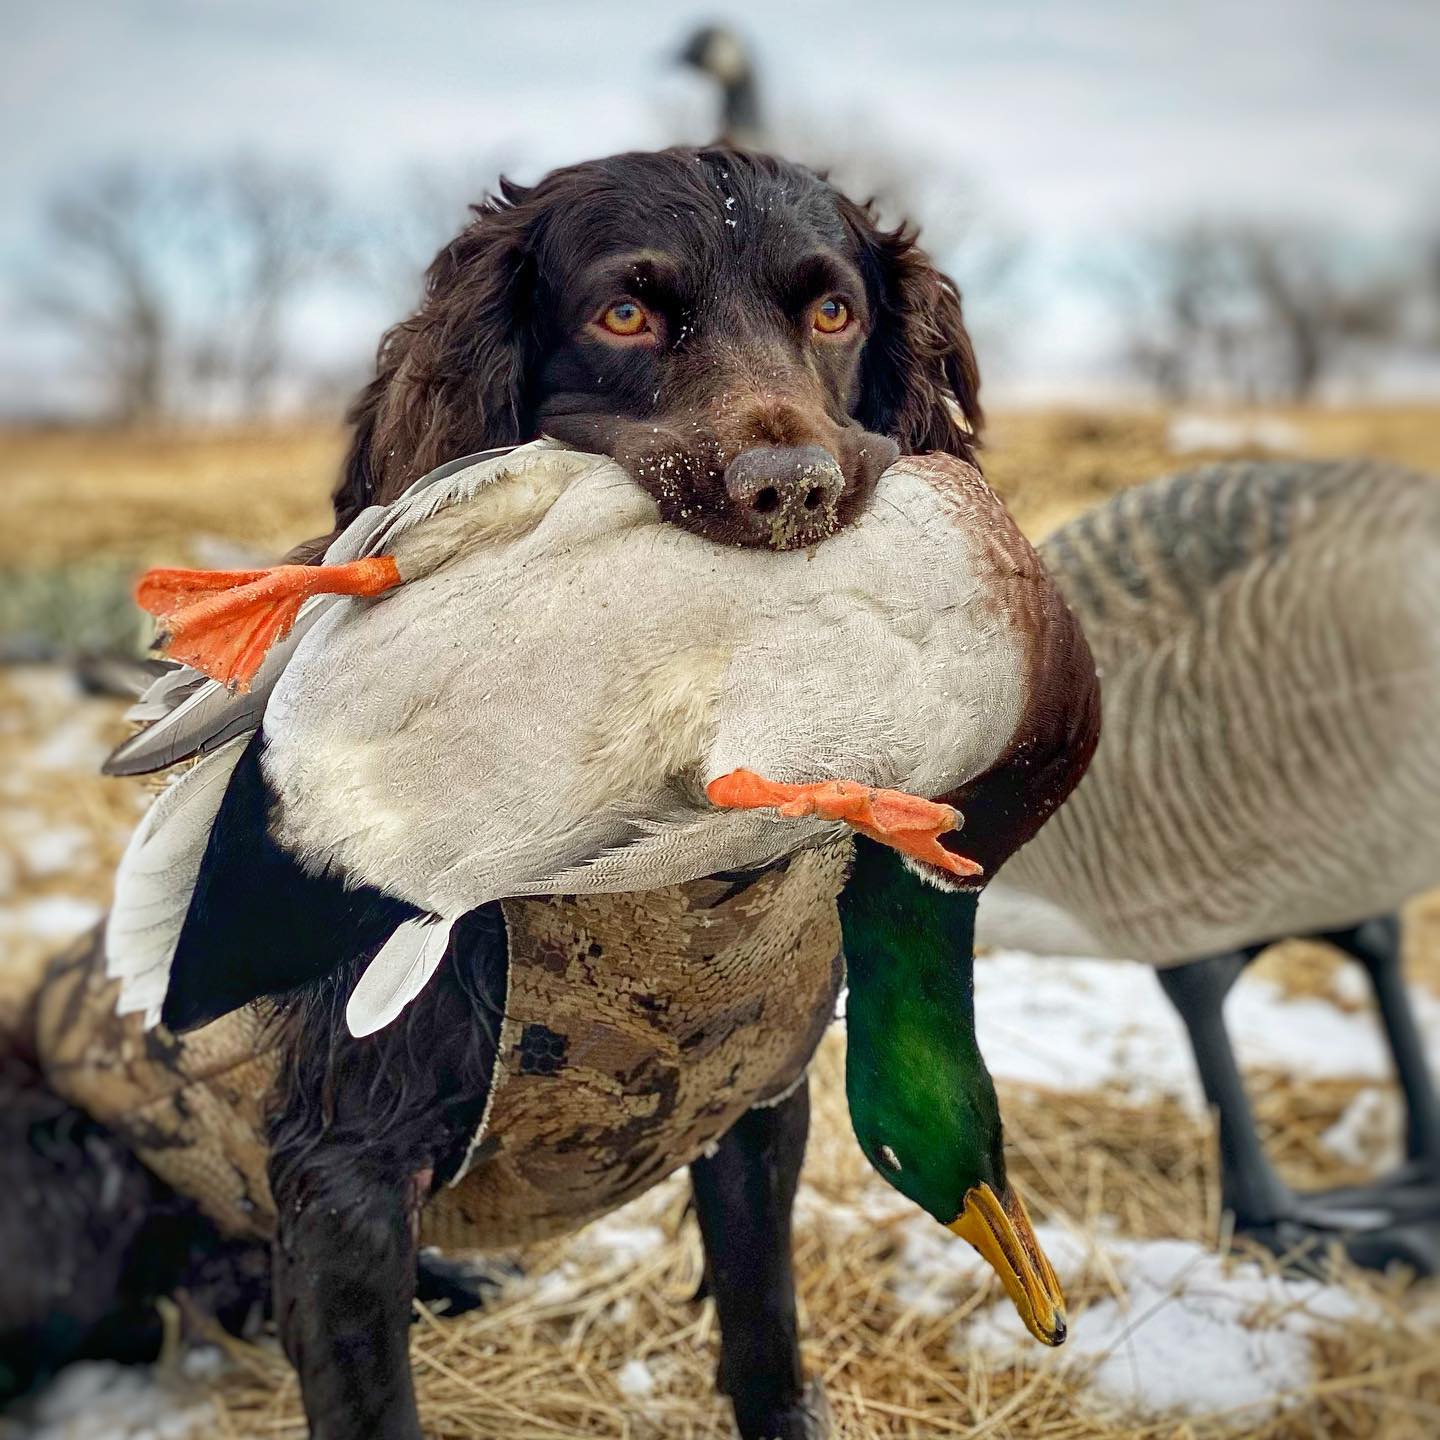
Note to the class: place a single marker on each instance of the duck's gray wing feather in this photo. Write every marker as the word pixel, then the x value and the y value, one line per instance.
pixel 189 714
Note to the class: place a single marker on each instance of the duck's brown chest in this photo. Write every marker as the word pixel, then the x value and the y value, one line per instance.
pixel 638 1029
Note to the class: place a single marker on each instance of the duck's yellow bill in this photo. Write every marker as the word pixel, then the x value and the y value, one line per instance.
pixel 1001 1231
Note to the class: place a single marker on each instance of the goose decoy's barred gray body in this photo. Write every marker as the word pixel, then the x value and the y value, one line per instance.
pixel 1268 639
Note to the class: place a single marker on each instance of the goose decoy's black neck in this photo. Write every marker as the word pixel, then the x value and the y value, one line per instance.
pixel 717 51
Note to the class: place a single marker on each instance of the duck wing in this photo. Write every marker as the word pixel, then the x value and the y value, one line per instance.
pixel 237 916
pixel 156 878
pixel 187 714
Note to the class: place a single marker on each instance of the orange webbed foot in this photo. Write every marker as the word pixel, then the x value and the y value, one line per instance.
pixel 223 622
pixel 907 823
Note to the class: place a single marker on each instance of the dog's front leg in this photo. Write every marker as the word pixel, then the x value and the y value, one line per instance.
pixel 744 1194
pixel 361 1131
pixel 344 1281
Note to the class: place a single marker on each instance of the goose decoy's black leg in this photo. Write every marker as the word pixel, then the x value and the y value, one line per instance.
pixel 744 1194
pixel 1250 1189
pixel 454 1287
pixel 1374 1228
pixel 1376 945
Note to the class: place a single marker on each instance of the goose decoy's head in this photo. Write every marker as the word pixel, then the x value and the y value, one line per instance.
pixel 718 52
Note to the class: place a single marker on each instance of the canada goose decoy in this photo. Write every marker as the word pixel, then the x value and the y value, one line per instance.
pixel 1268 639
pixel 717 51
pixel 618 757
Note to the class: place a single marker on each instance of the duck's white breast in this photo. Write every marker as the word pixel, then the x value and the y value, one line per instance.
pixel 498 726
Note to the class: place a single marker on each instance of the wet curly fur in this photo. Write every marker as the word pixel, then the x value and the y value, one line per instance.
pixel 428 1072
pixel 500 348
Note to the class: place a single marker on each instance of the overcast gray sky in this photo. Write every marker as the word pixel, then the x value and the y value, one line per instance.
pixel 1077 118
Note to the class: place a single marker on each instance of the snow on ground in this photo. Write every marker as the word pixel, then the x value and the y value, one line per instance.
pixel 52 850
pixel 1082 1024
pixel 1189 433
pixel 1189 1330
pixel 62 824
pixel 53 917
pixel 1370 1133
pixel 100 1401
pixel 1184 1329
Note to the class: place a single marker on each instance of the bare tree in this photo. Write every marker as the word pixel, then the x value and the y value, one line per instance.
pixel 1252 312
pixel 281 231
pixel 177 286
pixel 1427 285
pixel 106 289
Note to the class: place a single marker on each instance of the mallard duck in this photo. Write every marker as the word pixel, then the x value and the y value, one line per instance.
pixel 922 1103
pixel 1269 639
pixel 575 1048
pixel 603 745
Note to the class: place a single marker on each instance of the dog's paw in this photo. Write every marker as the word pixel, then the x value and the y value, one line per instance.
pixel 451 1287
pixel 807 1419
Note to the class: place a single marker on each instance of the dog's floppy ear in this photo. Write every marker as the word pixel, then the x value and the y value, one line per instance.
pixel 450 379
pixel 920 384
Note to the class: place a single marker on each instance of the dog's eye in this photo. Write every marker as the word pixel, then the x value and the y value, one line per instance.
pixel 831 316
pixel 626 318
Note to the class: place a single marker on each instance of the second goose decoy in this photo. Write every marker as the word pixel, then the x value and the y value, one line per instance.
pixel 1268 639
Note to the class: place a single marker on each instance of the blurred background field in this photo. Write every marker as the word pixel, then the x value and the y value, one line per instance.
pixel 1183 233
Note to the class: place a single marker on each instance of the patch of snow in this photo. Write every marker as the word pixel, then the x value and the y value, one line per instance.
pixel 52 917
pixel 1370 1132
pixel 556 1284
pixel 1183 1328
pixel 1084 1024
pixel 1190 1330
pixel 45 687
pixel 623 1234
pixel 1188 433
pixel 97 1400
pixel 72 745
pixel 53 851
pixel 1351 985
pixel 626 1240
pixel 635 1378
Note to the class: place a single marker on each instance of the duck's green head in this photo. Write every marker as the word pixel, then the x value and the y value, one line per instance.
pixel 922 1102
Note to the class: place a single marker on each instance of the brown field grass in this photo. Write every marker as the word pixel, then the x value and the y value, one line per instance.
pixel 544 1360
pixel 73 496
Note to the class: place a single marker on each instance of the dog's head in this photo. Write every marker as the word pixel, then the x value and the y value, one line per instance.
pixel 738 334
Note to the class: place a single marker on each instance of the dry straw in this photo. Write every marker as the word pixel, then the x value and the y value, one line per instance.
pixel 548 1358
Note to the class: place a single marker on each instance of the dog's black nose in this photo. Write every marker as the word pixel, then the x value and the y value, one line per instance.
pixel 784 496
